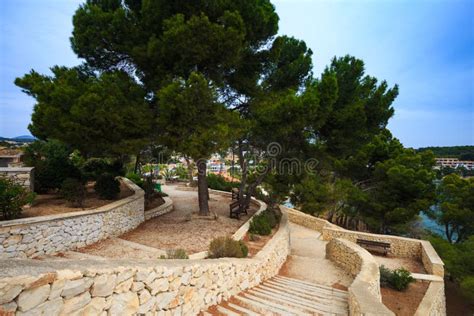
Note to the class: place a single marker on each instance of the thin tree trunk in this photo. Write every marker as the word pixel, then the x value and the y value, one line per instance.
pixel 137 163
pixel 448 234
pixel 243 168
pixel 190 169
pixel 203 190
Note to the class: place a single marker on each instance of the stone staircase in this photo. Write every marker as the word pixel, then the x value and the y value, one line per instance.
pixel 285 296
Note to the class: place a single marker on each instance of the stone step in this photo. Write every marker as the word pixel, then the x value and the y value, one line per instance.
pixel 323 304
pixel 281 277
pixel 261 308
pixel 242 310
pixel 284 306
pixel 316 295
pixel 299 304
pixel 225 311
pixel 314 289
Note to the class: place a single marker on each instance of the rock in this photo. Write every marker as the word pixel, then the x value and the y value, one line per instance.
pixel 185 278
pixel 146 307
pixel 69 275
pixel 95 307
pixel 124 304
pixel 124 276
pixel 144 296
pixel 138 286
pixel 75 287
pixel 8 308
pixel 75 303
pixel 124 286
pixel 56 289
pixel 12 240
pixel 9 292
pixel 33 297
pixel 104 285
pixel 51 308
pixel 160 285
pixel 164 299
pixel 42 280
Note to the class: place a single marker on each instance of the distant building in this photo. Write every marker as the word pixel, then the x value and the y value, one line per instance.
pixel 454 163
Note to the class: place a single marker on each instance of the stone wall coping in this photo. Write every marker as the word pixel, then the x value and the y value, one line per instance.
pixel 16 169
pixel 31 268
pixel 361 289
pixel 431 252
pixel 427 277
pixel 434 292
pixel 168 202
pixel 138 193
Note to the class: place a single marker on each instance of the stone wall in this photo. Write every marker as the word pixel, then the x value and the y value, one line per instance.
pixel 21 175
pixel 36 236
pixel 160 210
pixel 434 301
pixel 421 250
pixel 126 287
pixel 364 292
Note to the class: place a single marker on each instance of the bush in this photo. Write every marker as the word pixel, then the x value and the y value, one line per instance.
pixel 176 254
pixel 398 279
pixel 12 197
pixel 52 164
pixel 149 188
pixel 107 187
pixel 135 178
pixel 226 247
pixel 93 168
pixel 217 182
pixel 73 191
pixel 260 225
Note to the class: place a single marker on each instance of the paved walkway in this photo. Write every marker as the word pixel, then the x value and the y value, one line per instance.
pixel 307 261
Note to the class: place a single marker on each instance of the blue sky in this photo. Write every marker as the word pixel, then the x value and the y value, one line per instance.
pixel 427 47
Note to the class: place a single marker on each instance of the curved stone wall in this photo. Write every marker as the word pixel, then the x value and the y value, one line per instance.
pixel 364 292
pixel 36 236
pixel 125 287
pixel 160 210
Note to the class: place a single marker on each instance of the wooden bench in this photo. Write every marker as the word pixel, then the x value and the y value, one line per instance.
pixel 236 209
pixel 377 246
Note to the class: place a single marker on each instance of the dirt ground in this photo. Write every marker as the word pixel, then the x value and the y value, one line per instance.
pixel 51 204
pixel 114 248
pixel 157 201
pixel 393 263
pixel 182 229
pixel 257 245
pixel 404 303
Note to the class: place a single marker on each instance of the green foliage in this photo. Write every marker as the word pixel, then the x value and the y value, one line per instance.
pixel 135 178
pixel 455 197
pixel 263 223
pixel 73 191
pixel 398 279
pixel 103 114
pixel 107 187
pixel 12 198
pixel 223 247
pixel 460 152
pixel 94 167
pixel 52 164
pixel 217 182
pixel 459 262
pixel 176 254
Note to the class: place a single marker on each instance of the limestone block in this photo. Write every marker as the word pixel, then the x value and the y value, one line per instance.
pixel 33 297
pixel 160 285
pixel 124 286
pixel 76 303
pixel 124 304
pixel 9 292
pixel 104 285
pixel 95 306
pixel 8 308
pixel 75 287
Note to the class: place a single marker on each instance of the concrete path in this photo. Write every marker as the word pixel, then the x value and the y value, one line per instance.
pixel 307 261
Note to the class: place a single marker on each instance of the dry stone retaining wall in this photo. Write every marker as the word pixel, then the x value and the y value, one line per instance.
pixel 119 287
pixel 434 301
pixel 36 236
pixel 160 210
pixel 364 292
pixel 21 175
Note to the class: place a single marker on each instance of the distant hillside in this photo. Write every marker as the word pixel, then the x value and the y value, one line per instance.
pixel 20 139
pixel 461 152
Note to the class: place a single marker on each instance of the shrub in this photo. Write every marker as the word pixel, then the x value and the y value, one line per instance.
pixel 52 164
pixel 223 247
pixel 12 197
pixel 73 191
pixel 260 225
pixel 135 178
pixel 107 187
pixel 217 182
pixel 398 279
pixel 176 254
pixel 93 168
pixel 149 188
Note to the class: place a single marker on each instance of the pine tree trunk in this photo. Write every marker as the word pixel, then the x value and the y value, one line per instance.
pixel 203 191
